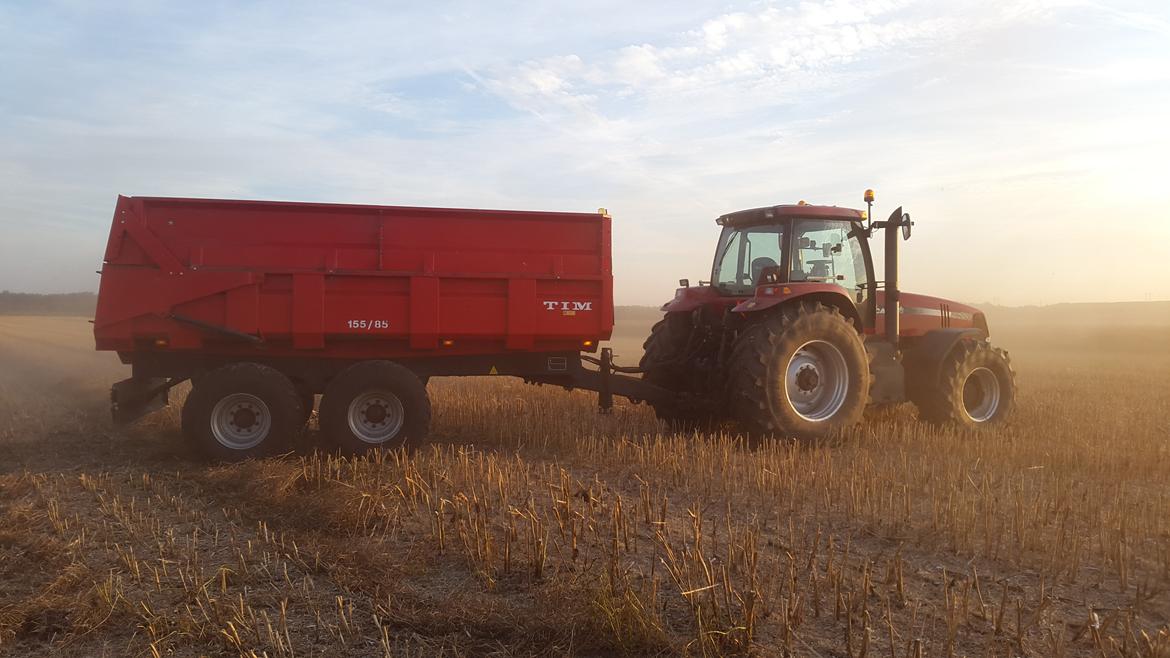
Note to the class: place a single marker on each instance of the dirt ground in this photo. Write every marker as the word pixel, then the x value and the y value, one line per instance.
pixel 533 526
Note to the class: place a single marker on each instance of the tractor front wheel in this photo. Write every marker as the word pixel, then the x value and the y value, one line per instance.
pixel 802 372
pixel 976 388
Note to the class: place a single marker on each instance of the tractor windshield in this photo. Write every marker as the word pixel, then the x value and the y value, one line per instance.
pixel 744 254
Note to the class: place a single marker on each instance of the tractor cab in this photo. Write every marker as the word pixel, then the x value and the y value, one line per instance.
pixel 794 244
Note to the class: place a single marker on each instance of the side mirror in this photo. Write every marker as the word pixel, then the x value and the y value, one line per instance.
pixel 906 224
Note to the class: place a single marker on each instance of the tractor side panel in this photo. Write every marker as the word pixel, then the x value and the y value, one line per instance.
pixel 921 314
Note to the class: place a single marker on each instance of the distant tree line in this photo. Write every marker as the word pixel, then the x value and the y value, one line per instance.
pixel 70 303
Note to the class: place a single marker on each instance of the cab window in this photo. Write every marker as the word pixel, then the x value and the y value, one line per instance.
pixel 744 255
pixel 823 251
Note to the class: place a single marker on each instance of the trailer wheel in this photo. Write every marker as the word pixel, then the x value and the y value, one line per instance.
pixel 374 405
pixel 802 372
pixel 661 365
pixel 242 411
pixel 976 388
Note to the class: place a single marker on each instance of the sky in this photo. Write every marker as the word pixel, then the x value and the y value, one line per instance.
pixel 1028 139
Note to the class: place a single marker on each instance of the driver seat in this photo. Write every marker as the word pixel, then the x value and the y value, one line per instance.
pixel 758 266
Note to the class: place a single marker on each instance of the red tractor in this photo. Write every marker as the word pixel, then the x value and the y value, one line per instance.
pixel 794 334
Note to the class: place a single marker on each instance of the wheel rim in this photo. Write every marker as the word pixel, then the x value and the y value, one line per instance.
pixel 376 416
pixel 817 381
pixel 981 395
pixel 240 421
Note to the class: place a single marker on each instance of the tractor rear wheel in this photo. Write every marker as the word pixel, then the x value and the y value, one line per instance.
pixel 241 411
pixel 663 364
pixel 374 405
pixel 976 388
pixel 802 372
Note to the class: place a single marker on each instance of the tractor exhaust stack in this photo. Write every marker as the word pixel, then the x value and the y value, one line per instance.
pixel 891 276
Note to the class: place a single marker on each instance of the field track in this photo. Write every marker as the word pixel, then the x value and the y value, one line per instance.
pixel 533 526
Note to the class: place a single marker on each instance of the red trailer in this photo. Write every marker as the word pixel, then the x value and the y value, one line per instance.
pixel 264 305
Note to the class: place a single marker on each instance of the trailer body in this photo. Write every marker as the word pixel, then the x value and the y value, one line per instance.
pixel 187 281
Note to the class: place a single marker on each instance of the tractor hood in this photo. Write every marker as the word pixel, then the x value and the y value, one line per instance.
pixel 922 313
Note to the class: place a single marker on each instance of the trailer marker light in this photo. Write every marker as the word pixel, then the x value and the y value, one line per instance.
pixel 586 343
pixel 447 342
pixel 786 290
pixel 160 342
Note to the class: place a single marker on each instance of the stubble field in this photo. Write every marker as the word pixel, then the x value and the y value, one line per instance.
pixel 532 525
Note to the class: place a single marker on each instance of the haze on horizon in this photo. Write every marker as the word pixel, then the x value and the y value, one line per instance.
pixel 1027 138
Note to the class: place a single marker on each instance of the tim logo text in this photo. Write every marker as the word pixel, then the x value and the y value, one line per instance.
pixel 568 306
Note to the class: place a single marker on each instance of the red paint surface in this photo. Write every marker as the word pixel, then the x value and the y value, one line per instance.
pixel 352 281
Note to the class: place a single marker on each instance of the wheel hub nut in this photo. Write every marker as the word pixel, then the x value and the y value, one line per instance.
pixel 376 414
pixel 244 418
pixel 807 378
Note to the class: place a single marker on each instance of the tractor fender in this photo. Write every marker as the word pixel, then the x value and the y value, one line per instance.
pixel 772 296
pixel 690 298
pixel 924 358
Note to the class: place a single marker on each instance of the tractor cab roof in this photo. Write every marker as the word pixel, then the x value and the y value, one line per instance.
pixel 770 214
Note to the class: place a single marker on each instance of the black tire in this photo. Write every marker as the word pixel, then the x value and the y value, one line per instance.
pixel 763 356
pixel 976 388
pixel 397 410
pixel 661 365
pixel 242 411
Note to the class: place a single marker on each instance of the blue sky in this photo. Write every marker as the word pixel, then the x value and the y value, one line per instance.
pixel 1021 135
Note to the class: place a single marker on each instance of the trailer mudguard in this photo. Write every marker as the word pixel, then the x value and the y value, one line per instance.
pixel 133 398
pixel 924 357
